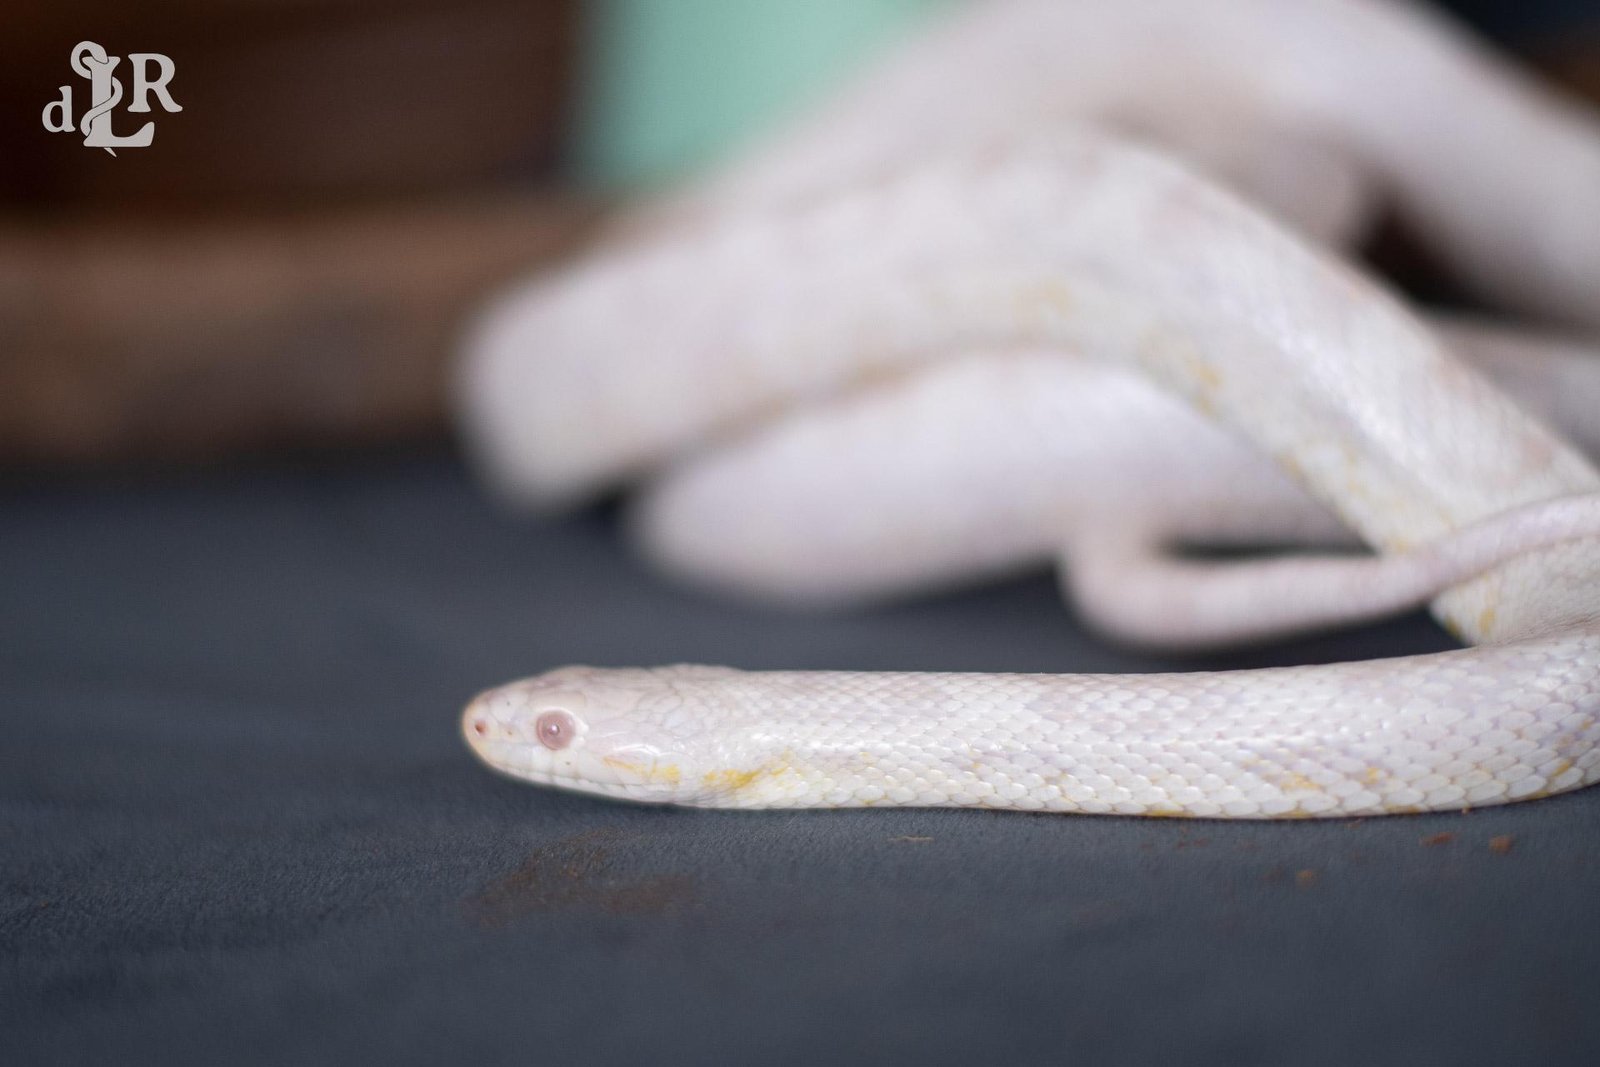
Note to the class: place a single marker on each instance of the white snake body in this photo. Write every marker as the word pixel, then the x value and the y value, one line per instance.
pixel 1424 733
pixel 1098 256
pixel 993 464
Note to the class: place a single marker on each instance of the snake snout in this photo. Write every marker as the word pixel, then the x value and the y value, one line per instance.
pixel 498 729
pixel 483 729
pixel 531 729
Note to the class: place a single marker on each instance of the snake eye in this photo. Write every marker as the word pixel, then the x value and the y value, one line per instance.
pixel 555 730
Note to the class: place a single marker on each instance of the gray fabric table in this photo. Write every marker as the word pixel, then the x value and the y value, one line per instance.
pixel 237 825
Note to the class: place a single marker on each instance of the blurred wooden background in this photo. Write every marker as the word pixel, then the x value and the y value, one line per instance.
pixel 294 100
pixel 290 259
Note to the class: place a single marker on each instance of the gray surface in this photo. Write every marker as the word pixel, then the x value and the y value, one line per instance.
pixel 237 825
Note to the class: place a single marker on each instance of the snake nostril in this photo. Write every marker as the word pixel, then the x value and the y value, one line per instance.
pixel 480 727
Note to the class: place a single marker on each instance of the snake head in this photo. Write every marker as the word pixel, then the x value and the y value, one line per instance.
pixel 618 733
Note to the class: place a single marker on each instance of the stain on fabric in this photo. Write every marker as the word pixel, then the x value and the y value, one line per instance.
pixel 576 873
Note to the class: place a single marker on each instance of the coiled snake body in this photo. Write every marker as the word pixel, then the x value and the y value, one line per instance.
pixel 1042 253
pixel 947 331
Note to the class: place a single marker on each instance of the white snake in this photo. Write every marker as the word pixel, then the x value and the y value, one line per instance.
pixel 1082 283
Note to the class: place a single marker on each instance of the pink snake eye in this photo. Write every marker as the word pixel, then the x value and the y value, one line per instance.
pixel 555 730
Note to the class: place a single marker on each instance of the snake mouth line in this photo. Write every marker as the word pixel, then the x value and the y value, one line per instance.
pixel 576 784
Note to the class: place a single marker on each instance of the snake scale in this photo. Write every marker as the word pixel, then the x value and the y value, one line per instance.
pixel 1064 345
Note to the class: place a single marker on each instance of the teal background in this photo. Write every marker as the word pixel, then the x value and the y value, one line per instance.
pixel 673 85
